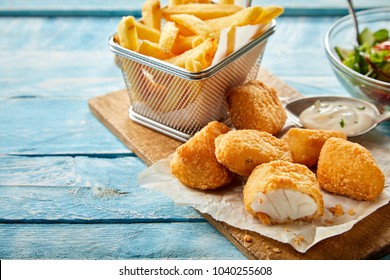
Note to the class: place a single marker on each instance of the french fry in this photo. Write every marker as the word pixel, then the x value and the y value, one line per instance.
pixel 183 31
pixel 146 32
pixel 168 37
pixel 154 92
pixel 151 13
pixel 190 36
pixel 247 16
pixel 179 94
pixel 197 1
pixel 209 47
pixel 230 2
pixel 231 38
pixel 127 33
pixel 202 11
pixel 183 43
pixel 196 62
pixel 116 38
pixel 175 95
pixel 193 65
pixel 197 41
pixel 172 3
pixel 194 24
pixel 134 74
pixel 152 49
pixel 269 13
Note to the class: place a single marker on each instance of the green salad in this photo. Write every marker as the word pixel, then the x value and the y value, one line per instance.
pixel 371 57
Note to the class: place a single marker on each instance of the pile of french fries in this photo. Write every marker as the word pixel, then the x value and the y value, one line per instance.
pixel 186 33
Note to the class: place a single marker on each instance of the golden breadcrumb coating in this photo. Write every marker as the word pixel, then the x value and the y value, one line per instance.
pixel 256 106
pixel 194 163
pixel 242 150
pixel 349 169
pixel 282 175
pixel 337 210
pixel 306 144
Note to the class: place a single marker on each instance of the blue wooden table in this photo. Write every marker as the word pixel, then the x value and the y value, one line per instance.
pixel 68 186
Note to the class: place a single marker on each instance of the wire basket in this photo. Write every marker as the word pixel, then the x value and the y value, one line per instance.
pixel 178 103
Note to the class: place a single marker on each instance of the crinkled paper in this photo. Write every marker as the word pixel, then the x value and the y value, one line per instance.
pixel 227 204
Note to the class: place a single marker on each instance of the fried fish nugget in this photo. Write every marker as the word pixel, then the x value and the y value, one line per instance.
pixel 254 105
pixel 194 163
pixel 280 192
pixel 349 169
pixel 242 150
pixel 306 144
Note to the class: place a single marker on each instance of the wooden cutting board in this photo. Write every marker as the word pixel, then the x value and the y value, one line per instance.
pixel 368 239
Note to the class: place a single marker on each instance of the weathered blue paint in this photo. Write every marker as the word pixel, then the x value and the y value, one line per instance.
pixel 68 187
pixel 115 241
pixel 109 8
pixel 81 189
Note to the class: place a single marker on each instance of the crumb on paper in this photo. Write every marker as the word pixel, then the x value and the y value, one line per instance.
pixel 351 212
pixel 277 250
pixel 298 239
pixel 337 210
pixel 248 238
pixel 329 222
pixel 286 229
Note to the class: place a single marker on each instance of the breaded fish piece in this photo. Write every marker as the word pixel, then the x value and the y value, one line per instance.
pixel 306 144
pixel 242 150
pixel 194 162
pixel 254 105
pixel 281 192
pixel 349 169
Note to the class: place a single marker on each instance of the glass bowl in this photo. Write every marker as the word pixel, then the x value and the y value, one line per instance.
pixel 342 34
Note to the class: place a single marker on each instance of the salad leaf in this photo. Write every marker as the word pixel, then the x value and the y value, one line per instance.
pixel 342 53
pixel 366 37
pixel 381 35
pixel 371 57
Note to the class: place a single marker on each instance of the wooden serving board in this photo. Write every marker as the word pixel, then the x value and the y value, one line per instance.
pixel 368 239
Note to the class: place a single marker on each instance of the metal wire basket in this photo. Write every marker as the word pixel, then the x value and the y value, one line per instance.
pixel 178 103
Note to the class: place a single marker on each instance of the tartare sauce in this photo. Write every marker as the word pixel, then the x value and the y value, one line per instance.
pixel 343 116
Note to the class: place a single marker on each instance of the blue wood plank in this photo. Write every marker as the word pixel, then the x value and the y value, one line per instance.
pixel 53 126
pixel 107 8
pixel 81 189
pixel 81 74
pixel 123 7
pixel 59 34
pixel 47 57
pixel 115 241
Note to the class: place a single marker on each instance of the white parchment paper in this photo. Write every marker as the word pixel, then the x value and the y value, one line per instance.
pixel 227 205
pixel 242 36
